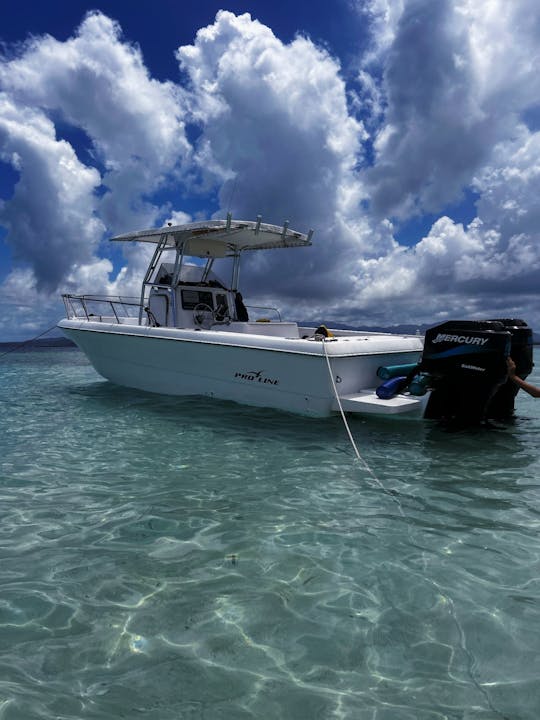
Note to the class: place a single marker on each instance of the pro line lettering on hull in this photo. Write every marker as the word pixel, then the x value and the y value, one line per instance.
pixel 256 376
pixel 462 339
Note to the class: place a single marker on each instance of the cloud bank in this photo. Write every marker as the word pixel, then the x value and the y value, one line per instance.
pixel 432 111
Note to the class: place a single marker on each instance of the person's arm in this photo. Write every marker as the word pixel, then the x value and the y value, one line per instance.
pixel 531 389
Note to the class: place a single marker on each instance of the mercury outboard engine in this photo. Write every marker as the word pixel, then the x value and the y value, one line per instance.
pixel 466 363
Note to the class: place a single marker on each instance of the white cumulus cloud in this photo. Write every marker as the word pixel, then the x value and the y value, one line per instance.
pixel 97 82
pixel 51 217
pixel 447 93
pixel 279 139
pixel 133 125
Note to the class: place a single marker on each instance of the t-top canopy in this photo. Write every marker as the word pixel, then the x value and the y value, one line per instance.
pixel 221 238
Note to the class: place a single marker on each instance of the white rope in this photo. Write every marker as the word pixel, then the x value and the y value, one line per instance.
pixel 343 417
pixel 357 452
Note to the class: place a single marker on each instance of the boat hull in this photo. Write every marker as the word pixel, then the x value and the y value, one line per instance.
pixel 290 374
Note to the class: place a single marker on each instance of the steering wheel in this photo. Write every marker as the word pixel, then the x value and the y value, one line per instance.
pixel 203 315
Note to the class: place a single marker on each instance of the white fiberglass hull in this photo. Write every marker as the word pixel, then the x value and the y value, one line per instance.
pixel 289 374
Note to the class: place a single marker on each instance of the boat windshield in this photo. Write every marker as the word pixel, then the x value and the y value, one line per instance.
pixel 190 274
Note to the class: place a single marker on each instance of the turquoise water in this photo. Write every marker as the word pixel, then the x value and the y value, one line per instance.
pixel 173 558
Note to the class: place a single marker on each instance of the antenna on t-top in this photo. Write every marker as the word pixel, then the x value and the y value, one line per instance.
pixel 232 195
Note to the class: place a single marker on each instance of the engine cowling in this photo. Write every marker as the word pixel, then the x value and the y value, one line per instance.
pixel 466 362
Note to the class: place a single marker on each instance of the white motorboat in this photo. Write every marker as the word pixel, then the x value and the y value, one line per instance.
pixel 189 333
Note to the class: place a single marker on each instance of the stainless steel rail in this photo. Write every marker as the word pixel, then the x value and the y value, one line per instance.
pixel 92 307
pixel 107 308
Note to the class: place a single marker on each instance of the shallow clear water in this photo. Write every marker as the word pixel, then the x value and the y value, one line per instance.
pixel 173 558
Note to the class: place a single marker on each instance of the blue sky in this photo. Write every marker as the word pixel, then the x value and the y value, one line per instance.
pixel 405 132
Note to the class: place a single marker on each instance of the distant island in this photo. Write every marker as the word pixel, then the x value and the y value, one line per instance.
pixel 26 345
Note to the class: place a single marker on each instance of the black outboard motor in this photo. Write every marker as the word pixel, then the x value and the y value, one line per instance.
pixel 501 405
pixel 466 360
